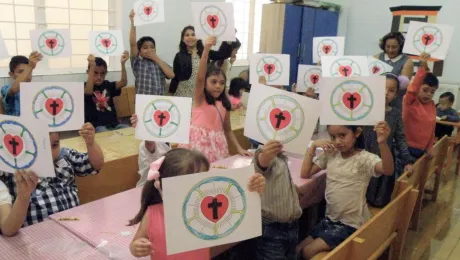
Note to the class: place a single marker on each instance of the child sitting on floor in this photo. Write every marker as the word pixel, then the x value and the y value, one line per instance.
pixel 445 112
pixel 60 193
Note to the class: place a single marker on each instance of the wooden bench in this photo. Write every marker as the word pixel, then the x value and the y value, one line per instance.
pixel 387 229
pixel 124 104
pixel 454 147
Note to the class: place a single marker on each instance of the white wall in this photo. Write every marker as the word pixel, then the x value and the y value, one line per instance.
pixel 368 21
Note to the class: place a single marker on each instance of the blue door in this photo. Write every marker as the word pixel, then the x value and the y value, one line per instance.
pixel 291 38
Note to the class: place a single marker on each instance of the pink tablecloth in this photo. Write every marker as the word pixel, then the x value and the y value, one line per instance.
pixel 103 223
pixel 312 190
pixel 47 241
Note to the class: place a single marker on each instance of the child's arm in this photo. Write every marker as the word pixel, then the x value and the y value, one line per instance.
pixel 89 85
pixel 386 166
pixel 12 218
pixel 167 70
pixel 309 168
pixel 34 58
pixel 149 145
pixel 232 138
pixel 201 77
pixel 132 36
pixel 95 154
pixel 141 246
pixel 401 145
pixel 264 158
pixel 124 77
pixel 414 87
pixel 452 116
pixel 408 69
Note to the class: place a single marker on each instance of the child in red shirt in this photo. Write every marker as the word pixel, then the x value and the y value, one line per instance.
pixel 419 111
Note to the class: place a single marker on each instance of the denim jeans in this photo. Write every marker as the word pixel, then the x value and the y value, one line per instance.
pixel 416 153
pixel 102 128
pixel 278 241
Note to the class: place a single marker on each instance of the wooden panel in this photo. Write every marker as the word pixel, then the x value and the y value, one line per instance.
pixel 124 104
pixel 272 29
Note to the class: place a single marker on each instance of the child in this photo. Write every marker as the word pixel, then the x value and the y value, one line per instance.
pixel 226 64
pixel 12 217
pixel 280 205
pixel 237 87
pixel 148 69
pixel 446 113
pixel 211 126
pixel 380 189
pixel 149 151
pixel 176 162
pixel 99 93
pixel 419 112
pixel 20 71
pixel 349 169
pixel 60 193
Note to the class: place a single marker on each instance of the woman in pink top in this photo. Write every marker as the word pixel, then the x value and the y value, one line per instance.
pixel 150 238
pixel 211 126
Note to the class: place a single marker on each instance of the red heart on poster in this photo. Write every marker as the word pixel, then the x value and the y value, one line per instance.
pixel 269 68
pixel 351 100
pixel 280 119
pixel 375 70
pixel 14 144
pixel 161 117
pixel 51 43
pixel 427 39
pixel 314 78
pixel 214 208
pixel 106 43
pixel 327 49
pixel 213 21
pixel 54 106
pixel 346 71
pixel 148 10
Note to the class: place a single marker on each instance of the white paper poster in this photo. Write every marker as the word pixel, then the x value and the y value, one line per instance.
pixel 106 43
pixel 163 118
pixel 430 38
pixel 345 66
pixel 352 101
pixel 52 42
pixel 214 19
pixel 3 50
pixel 308 77
pixel 378 67
pixel 148 12
pixel 59 104
pixel 245 99
pixel 327 46
pixel 209 209
pixel 275 114
pixel 274 67
pixel 25 145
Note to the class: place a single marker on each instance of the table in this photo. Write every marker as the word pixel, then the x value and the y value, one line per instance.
pixel 105 220
pixel 47 241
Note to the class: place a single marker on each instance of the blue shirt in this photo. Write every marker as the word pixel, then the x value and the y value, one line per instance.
pixel 11 103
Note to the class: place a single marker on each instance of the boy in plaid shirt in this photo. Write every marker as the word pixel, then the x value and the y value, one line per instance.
pixel 148 69
pixel 60 193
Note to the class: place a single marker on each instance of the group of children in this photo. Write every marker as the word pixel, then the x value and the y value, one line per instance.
pixel 355 157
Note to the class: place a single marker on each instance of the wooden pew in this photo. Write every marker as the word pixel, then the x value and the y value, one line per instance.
pixel 124 104
pixel 385 230
pixel 436 165
pixel 454 147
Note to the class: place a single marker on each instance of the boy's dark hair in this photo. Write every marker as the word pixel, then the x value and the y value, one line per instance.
pixel 211 71
pixel 360 141
pixel 236 85
pixel 144 39
pixel 16 61
pixel 431 80
pixel 393 35
pixel 100 62
pixel 392 76
pixel 177 162
pixel 449 95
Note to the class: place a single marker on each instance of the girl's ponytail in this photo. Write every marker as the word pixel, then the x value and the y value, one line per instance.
pixel 150 196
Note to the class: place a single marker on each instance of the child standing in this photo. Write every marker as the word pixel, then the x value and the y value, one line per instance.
pixel 60 193
pixel 419 111
pixel 280 205
pixel 149 70
pixel 99 93
pixel 211 127
pixel 12 217
pixel 20 71
pixel 380 189
pixel 445 112
pixel 176 162
pixel 237 87
pixel 349 169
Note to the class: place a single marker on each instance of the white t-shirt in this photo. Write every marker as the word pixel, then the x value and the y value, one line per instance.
pixel 5 197
pixel 346 186
pixel 146 158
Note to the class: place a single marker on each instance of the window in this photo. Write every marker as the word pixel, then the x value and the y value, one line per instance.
pixel 18 17
pixel 248 20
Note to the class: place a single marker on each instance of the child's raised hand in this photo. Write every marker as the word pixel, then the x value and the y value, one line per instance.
pixel 382 129
pixel 34 58
pixel 409 169
pixel 257 183
pixel 210 41
pixel 141 247
pixel 26 183
pixel 425 56
pixel 430 153
pixel 87 131
pixel 271 149
pixel 131 16
pixel 326 145
pixel 124 57
pixel 262 80
pixel 134 120
pixel 92 61
pixel 294 88
pixel 310 93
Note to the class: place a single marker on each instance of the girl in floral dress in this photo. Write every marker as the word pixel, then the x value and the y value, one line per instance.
pixel 211 126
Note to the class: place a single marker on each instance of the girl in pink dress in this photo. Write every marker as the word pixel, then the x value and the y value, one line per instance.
pixel 150 238
pixel 211 126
